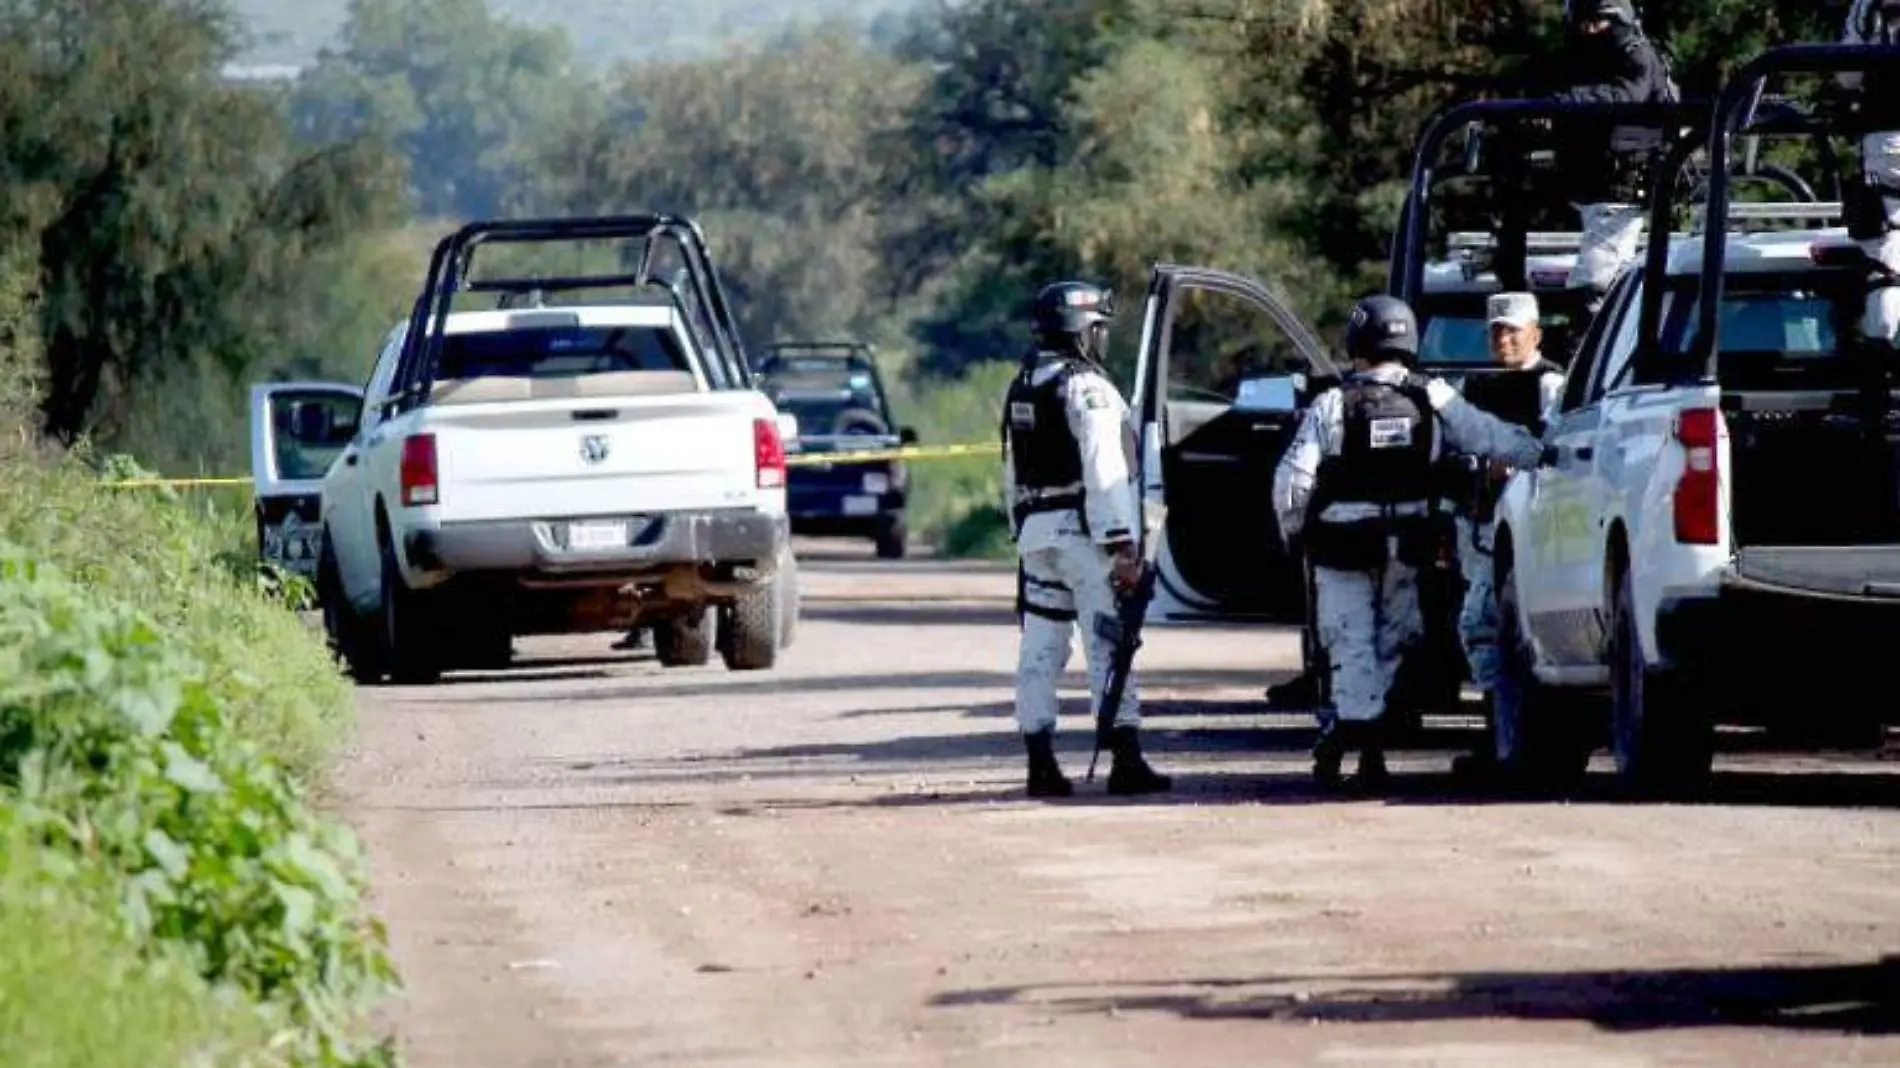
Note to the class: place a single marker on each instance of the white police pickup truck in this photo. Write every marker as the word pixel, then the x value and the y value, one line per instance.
pixel 547 469
pixel 1706 547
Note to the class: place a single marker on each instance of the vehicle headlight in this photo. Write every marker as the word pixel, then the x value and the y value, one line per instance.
pixel 877 482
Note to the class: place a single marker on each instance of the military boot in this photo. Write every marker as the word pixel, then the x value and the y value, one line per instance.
pixel 1372 774
pixel 1130 773
pixel 1045 775
pixel 1329 751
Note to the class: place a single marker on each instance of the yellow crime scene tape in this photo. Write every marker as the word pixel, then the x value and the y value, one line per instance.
pixel 796 459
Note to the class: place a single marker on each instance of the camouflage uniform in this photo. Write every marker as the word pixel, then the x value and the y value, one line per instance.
pixel 1364 620
pixel 1065 571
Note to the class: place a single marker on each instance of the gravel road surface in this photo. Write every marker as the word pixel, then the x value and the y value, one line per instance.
pixel 591 861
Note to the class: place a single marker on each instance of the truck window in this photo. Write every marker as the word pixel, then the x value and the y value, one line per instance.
pixel 559 352
pixel 1455 339
pixel 1777 329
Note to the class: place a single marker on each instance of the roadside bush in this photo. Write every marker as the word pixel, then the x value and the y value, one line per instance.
pixel 956 504
pixel 157 551
pixel 121 762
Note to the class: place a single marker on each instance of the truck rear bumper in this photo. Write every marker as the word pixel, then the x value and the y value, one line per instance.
pixel 1761 645
pixel 744 538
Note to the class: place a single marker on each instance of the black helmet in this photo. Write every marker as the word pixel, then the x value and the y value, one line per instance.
pixel 1381 328
pixel 1580 11
pixel 1072 308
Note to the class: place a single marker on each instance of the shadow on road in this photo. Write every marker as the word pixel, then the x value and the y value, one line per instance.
pixel 1856 999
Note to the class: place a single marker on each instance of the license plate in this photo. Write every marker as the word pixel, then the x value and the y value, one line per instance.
pixel 586 536
pixel 860 505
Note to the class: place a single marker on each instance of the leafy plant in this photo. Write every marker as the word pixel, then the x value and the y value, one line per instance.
pixel 120 756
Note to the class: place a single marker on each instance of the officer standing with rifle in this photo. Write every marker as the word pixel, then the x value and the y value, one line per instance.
pixel 1520 394
pixel 1359 485
pixel 1067 463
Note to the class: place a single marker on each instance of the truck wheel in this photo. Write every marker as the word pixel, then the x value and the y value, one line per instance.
pixel 685 641
pixel 749 636
pixel 789 600
pixel 1539 735
pixel 410 646
pixel 1664 742
pixel 349 636
pixel 892 538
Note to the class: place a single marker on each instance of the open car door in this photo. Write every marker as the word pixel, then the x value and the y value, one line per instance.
pixel 1225 371
pixel 298 429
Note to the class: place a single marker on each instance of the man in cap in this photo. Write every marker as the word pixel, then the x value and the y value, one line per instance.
pixel 1524 389
pixel 1874 207
pixel 1358 486
pixel 1067 458
pixel 1607 59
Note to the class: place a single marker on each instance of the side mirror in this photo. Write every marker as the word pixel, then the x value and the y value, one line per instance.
pixel 907 435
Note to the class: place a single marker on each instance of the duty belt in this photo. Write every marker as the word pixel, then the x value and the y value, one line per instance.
pixel 1030 502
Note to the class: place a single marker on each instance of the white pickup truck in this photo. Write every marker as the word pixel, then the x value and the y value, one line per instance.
pixel 1705 548
pixel 550 469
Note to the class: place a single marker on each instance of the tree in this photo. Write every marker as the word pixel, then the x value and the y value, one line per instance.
pixel 153 197
pixel 457 88
pixel 768 148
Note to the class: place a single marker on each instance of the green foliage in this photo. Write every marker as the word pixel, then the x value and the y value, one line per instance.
pixel 956 503
pixel 157 202
pixel 772 151
pixel 459 90
pixel 134 548
pixel 77 987
pixel 116 753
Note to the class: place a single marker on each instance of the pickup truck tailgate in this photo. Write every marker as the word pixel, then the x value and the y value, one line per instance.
pixel 1860 571
pixel 596 456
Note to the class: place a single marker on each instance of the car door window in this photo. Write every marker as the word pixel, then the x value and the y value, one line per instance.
pixel 376 390
pixel 1581 376
pixel 1612 371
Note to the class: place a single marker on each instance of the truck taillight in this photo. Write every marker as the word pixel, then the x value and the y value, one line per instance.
pixel 768 453
pixel 1697 498
pixel 418 477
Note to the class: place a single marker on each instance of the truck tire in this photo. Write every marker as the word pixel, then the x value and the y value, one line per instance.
pixel 789 600
pixel 410 645
pixel 749 631
pixel 349 636
pixel 892 538
pixel 685 641
pixel 1663 739
pixel 859 421
pixel 1540 736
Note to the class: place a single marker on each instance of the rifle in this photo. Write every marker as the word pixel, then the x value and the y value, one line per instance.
pixel 1122 631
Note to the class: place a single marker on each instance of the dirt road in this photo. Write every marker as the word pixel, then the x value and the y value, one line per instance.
pixel 591 861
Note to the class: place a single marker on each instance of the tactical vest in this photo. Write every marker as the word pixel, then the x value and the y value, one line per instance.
pixel 1044 455
pixel 1515 396
pixel 1385 459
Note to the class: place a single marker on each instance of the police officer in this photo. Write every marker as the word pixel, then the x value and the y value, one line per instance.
pixel 1520 394
pixel 1068 446
pixel 1876 224
pixel 1608 60
pixel 1358 485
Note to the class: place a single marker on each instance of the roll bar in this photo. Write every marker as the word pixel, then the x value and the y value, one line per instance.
pixel 449 274
pixel 1737 110
pixel 1406 265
